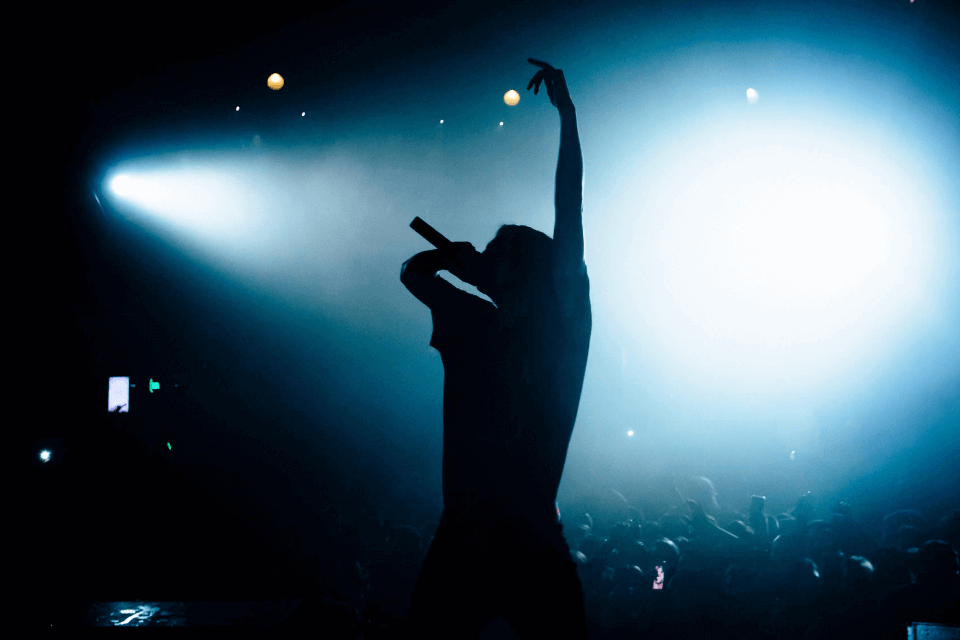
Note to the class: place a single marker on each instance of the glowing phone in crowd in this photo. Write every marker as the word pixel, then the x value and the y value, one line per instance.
pixel 118 395
pixel 658 581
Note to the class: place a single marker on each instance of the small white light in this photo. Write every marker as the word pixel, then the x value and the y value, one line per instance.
pixel 45 455
pixel 303 113
pixel 441 122
pixel 630 433
pixel 501 124
pixel 752 96
pixel 793 454
pixel 238 108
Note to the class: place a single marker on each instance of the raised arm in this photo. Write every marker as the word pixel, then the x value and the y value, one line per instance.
pixel 568 224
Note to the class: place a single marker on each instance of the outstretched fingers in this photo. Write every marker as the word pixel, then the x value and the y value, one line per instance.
pixel 539 63
pixel 535 82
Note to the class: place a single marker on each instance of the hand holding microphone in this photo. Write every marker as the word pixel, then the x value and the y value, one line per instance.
pixel 459 258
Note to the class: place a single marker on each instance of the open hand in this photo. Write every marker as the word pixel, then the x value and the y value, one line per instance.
pixel 553 79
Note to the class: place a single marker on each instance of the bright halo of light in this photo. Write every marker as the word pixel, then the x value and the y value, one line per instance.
pixel 275 81
pixel 45 455
pixel 202 199
pixel 752 96
pixel 511 98
pixel 770 256
pixel 122 185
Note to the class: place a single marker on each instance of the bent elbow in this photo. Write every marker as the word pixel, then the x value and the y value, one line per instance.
pixel 404 273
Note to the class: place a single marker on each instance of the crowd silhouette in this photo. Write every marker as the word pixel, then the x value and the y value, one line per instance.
pixel 813 571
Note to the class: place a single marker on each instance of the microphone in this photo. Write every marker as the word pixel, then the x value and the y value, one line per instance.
pixel 431 235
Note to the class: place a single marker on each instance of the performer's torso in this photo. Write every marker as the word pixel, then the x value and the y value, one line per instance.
pixel 511 395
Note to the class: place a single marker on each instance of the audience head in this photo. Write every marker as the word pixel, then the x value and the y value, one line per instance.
pixel 590 544
pixel 832 565
pixel 894 522
pixel 936 561
pixel 908 537
pixel 804 511
pixel 805 577
pixel 857 575
pixel 614 506
pixel 628 580
pixel 948 529
pixel 665 553
pixel 706 496
pixel 633 552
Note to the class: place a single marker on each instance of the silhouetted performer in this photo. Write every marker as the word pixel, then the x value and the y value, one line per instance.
pixel 513 373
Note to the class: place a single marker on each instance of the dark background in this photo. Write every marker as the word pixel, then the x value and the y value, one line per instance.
pixel 242 504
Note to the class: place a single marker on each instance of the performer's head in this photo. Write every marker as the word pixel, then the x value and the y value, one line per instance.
pixel 520 261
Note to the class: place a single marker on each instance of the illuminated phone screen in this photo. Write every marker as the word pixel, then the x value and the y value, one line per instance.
pixel 658 581
pixel 118 395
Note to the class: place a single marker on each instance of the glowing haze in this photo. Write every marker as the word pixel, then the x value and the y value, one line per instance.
pixel 754 266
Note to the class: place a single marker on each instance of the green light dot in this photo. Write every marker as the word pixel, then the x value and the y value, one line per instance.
pixel 169 447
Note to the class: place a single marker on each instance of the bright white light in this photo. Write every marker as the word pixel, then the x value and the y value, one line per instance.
pixel 122 185
pixel 441 122
pixel 767 246
pixel 303 113
pixel 501 124
pixel 758 256
pixel 270 219
pixel 630 433
pixel 216 202
pixel 45 455
pixel 752 96
pixel 238 108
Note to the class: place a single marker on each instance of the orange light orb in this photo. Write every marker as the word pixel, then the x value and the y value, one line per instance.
pixel 275 81
pixel 511 98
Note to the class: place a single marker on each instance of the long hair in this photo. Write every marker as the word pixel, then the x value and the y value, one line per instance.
pixel 531 258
